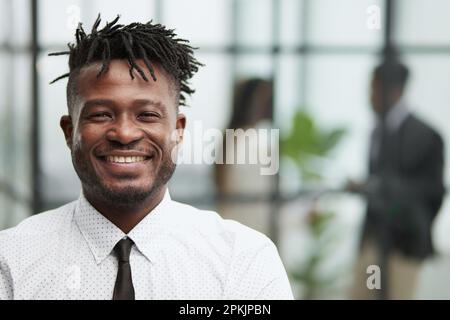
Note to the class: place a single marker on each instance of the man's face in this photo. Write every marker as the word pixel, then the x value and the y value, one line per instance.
pixel 121 132
pixel 381 104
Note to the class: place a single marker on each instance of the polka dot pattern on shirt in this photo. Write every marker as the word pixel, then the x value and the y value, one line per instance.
pixel 179 252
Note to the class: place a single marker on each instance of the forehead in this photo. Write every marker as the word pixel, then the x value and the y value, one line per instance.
pixel 117 83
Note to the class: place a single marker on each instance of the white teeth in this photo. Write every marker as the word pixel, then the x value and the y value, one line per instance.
pixel 124 159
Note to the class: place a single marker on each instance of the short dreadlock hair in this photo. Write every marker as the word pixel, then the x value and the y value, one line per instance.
pixel 153 43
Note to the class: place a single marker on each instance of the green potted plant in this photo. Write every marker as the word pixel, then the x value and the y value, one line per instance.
pixel 305 145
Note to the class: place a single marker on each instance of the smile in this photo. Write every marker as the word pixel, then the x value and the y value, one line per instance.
pixel 121 159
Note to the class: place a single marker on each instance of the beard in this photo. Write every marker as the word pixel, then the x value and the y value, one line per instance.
pixel 121 197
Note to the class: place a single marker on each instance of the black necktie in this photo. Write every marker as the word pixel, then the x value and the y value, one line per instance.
pixel 123 289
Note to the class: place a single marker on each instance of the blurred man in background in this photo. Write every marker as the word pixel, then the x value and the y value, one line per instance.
pixel 404 189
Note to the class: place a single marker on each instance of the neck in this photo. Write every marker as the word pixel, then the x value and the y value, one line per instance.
pixel 125 217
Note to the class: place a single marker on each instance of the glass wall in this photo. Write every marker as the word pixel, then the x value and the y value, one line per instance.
pixel 15 112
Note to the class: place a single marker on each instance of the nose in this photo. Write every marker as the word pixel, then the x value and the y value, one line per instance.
pixel 124 131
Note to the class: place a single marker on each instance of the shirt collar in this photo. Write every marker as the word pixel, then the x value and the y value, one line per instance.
pixel 102 235
pixel 396 115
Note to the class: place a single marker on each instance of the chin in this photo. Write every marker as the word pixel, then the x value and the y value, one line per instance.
pixel 129 188
pixel 126 193
pixel 126 197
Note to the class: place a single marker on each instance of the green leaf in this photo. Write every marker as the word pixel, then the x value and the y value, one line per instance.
pixel 306 141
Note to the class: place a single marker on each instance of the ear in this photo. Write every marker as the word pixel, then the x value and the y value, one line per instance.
pixel 180 126
pixel 67 128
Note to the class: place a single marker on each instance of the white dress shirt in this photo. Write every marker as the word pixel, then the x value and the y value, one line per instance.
pixel 179 252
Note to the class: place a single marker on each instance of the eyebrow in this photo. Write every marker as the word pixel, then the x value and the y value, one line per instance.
pixel 111 103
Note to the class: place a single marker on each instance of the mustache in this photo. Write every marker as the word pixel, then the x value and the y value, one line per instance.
pixel 112 146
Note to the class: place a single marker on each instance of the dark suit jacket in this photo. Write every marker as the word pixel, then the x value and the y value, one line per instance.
pixel 408 189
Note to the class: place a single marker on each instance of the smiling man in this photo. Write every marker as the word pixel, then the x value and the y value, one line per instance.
pixel 124 238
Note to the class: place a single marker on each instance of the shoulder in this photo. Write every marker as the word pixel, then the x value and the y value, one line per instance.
pixel 421 137
pixel 209 224
pixel 41 223
pixel 420 128
pixel 36 229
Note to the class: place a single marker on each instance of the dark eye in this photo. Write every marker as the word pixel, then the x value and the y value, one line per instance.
pixel 148 116
pixel 100 116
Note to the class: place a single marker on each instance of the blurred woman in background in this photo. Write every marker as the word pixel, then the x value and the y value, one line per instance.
pixel 252 109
